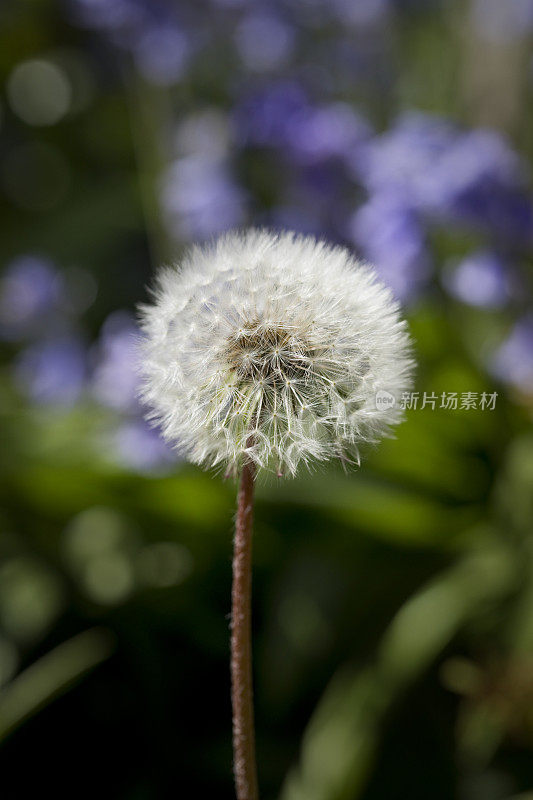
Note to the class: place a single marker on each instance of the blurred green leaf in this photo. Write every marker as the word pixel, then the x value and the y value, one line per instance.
pixel 50 676
pixel 340 741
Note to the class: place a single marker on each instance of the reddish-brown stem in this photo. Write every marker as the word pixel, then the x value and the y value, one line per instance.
pixel 241 645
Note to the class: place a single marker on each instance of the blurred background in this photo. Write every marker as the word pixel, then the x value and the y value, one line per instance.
pixel 393 606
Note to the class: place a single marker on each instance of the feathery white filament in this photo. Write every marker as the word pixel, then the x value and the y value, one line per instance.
pixel 272 347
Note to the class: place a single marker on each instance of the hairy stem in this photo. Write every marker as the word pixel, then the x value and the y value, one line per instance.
pixel 241 646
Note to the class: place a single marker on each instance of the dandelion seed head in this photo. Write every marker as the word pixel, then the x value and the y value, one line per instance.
pixel 272 347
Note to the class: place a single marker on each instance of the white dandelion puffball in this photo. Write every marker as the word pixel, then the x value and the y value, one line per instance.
pixel 272 347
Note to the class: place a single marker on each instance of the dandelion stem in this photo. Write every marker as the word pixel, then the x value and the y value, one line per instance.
pixel 241 646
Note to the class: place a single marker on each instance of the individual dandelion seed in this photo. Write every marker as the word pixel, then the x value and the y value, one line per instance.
pixel 268 351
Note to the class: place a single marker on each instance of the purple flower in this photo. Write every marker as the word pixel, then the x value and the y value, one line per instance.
pixel 200 198
pixel 400 159
pixel 30 290
pixel 389 233
pixel 141 448
pixel 468 177
pixel 115 379
pixel 264 41
pixel 481 180
pixel 162 53
pixel 369 13
pixel 513 361
pixel 148 29
pixel 481 279
pixel 108 14
pixel 265 117
pixel 332 131
pixel 54 371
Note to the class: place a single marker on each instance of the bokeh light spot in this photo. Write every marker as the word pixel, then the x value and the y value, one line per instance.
pixel 109 578
pixel 164 564
pixel 39 92
pixel 30 598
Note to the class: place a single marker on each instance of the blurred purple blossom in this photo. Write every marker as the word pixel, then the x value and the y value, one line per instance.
pixel 30 290
pixel 281 116
pixel 138 446
pixel 264 117
pixel 134 444
pixel 115 379
pixel 162 53
pixel 450 175
pixel 264 40
pixel 388 232
pixel 200 198
pixel 53 371
pixel 513 361
pixel 400 158
pixel 335 130
pixel 481 180
pixel 369 13
pixel 148 29
pixel 480 279
pixel 108 14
